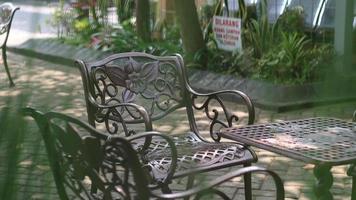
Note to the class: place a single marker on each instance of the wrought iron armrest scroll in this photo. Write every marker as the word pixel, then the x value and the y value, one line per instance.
pixel 354 117
pixel 213 114
pixel 111 112
pixel 172 147
pixel 208 188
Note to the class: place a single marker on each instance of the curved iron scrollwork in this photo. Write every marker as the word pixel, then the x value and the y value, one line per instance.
pixel 117 171
pixel 225 117
pixel 217 120
pixel 92 170
pixel 116 118
pixel 73 172
pixel 160 144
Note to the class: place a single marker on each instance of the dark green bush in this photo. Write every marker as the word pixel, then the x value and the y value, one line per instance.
pixel 295 60
pixel 292 20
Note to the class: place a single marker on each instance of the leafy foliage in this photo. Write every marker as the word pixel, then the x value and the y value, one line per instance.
pixel 279 52
pixel 63 20
pixel 261 36
pixel 125 39
pixel 124 9
pixel 294 60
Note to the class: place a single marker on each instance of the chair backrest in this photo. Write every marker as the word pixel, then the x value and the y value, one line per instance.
pixel 156 83
pixel 7 11
pixel 86 164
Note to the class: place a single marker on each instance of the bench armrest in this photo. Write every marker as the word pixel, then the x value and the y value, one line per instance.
pixel 124 113
pixel 208 188
pixel 354 117
pixel 224 117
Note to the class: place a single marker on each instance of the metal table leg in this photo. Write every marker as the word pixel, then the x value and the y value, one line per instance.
pixel 351 172
pixel 324 181
pixel 353 192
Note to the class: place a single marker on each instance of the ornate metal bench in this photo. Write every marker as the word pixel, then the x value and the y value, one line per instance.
pixel 88 164
pixel 138 88
pixel 7 12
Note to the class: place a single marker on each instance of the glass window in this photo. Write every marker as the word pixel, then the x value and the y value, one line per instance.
pixel 328 17
pixel 248 2
pixel 275 8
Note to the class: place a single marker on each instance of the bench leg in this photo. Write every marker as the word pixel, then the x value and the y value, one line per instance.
pixel 248 184
pixel 4 58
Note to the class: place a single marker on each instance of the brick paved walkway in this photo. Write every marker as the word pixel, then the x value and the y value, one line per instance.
pixel 57 87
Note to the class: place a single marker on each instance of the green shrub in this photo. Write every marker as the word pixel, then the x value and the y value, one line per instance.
pixel 294 60
pixel 278 52
pixel 292 20
pixel 126 40
pixel 261 36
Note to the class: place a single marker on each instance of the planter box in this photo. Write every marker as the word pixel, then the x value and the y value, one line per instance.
pixel 277 96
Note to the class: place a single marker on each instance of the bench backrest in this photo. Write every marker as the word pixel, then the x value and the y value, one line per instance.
pixel 156 83
pixel 7 11
pixel 88 165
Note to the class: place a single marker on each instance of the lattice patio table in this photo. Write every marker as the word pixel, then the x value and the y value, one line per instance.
pixel 324 142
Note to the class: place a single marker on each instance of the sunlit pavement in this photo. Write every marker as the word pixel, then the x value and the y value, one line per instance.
pixel 57 87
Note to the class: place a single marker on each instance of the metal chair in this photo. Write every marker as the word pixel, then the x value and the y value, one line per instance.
pixel 7 12
pixel 88 164
pixel 138 88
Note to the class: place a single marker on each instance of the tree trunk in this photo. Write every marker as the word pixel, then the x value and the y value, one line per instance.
pixel 190 30
pixel 143 19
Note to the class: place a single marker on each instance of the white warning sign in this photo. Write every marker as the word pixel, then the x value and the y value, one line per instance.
pixel 227 32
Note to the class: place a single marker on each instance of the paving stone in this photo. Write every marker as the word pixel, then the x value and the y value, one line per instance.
pixel 265 198
pixel 292 191
pixel 307 196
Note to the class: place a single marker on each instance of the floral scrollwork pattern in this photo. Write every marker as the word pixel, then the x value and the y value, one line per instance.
pixel 142 81
pixel 153 82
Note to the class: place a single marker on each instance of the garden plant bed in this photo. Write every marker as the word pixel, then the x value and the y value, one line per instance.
pixel 266 95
